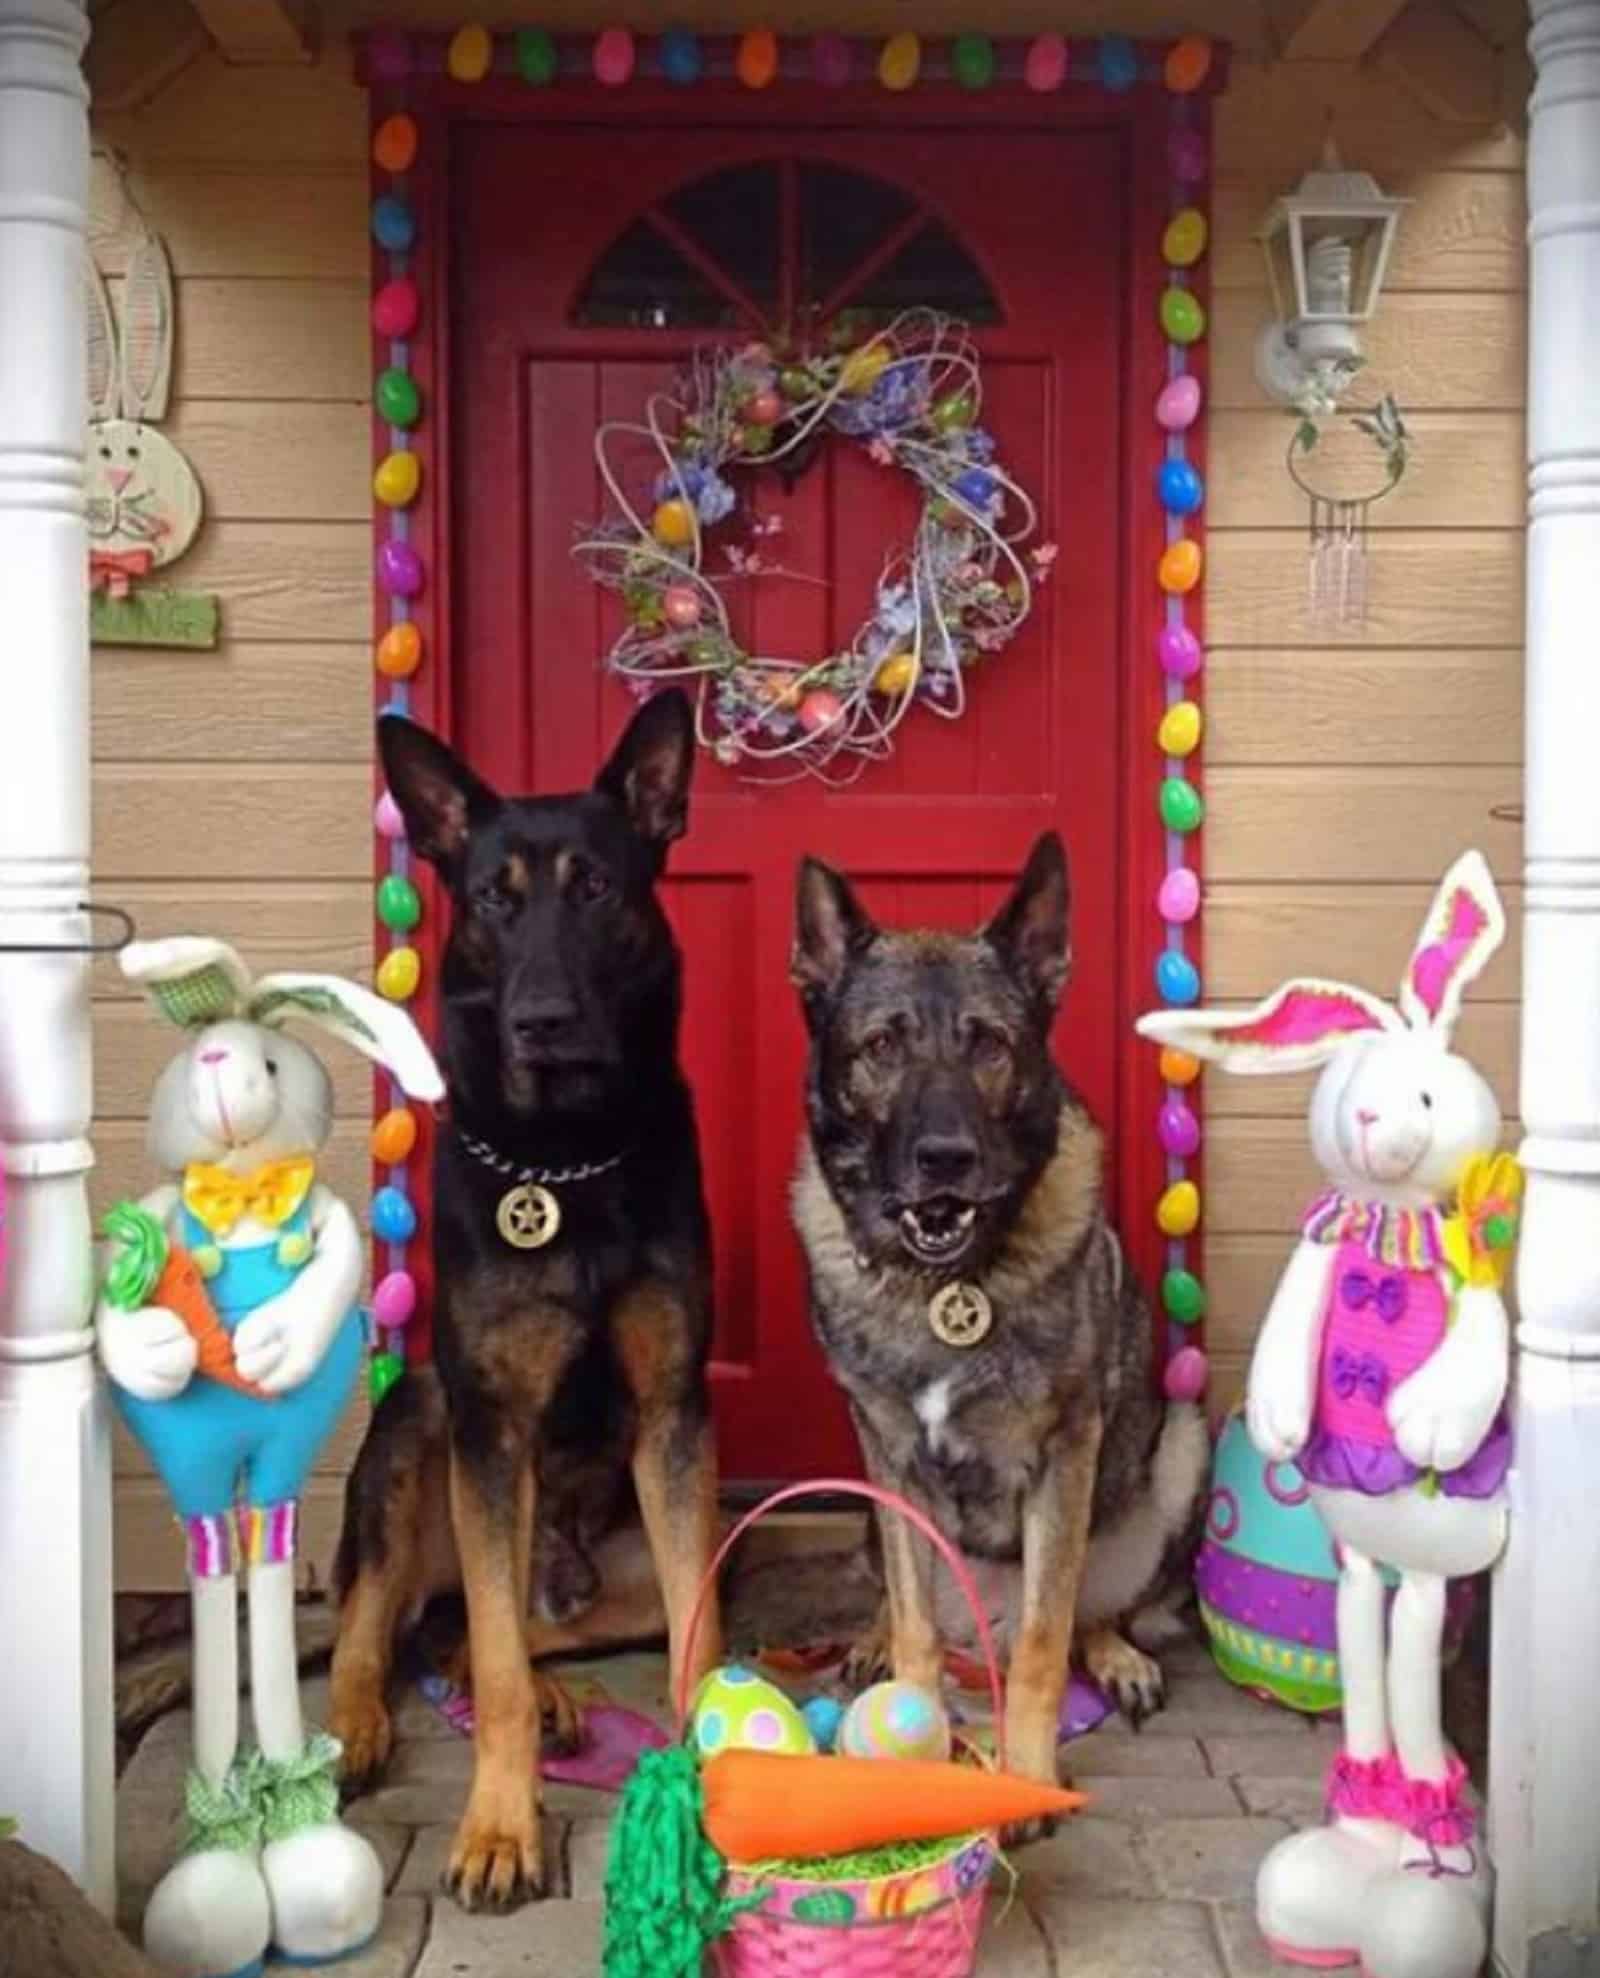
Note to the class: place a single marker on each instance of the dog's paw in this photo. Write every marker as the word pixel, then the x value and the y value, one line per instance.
pixel 360 1720
pixel 1027 1833
pixel 1132 1679
pixel 869 1661
pixel 497 1862
pixel 560 1716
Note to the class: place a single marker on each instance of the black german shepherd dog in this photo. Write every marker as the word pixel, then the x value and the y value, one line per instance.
pixel 568 1405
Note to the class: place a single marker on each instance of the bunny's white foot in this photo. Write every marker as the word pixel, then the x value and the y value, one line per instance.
pixel 210 1916
pixel 1422 1925
pixel 1312 1889
pixel 326 1886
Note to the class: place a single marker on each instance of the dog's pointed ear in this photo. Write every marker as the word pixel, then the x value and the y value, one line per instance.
pixel 438 796
pixel 652 767
pixel 1029 933
pixel 830 927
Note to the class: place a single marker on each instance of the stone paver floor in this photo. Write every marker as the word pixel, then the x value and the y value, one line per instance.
pixel 1154 1881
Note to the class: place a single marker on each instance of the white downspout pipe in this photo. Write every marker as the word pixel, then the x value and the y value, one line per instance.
pixel 1545 1713
pixel 56 1695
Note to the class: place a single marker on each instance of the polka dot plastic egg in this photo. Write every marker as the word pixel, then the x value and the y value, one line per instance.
pixel 895 1720
pixel 735 1708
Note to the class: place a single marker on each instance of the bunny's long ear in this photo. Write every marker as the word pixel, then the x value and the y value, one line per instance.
pixel 148 330
pixel 1465 926
pixel 105 371
pixel 190 979
pixel 375 1028
pixel 1298 1026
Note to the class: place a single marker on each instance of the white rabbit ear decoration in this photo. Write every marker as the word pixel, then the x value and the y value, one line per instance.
pixel 194 981
pixel 1304 1022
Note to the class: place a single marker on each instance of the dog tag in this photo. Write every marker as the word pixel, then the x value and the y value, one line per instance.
pixel 528 1217
pixel 960 1314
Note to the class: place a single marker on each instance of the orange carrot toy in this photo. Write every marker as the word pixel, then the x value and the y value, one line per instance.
pixel 149 1269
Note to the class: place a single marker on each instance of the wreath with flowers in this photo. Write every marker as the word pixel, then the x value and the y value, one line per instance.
pixel 912 395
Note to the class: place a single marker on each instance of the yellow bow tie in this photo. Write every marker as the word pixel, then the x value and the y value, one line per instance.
pixel 271 1195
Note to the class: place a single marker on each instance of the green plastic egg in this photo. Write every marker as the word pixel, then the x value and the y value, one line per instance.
pixel 735 1709
pixel 536 57
pixel 1181 808
pixel 399 905
pixel 397 398
pixel 972 60
pixel 1182 317
pixel 1184 1297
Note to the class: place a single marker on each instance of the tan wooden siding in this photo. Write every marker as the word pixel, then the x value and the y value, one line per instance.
pixel 1341 773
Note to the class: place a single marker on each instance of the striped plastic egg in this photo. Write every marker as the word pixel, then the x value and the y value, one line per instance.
pixel 895 1720
pixel 736 1709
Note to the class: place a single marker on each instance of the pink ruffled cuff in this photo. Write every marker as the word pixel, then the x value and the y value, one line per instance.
pixel 1435 1809
pixel 1364 1788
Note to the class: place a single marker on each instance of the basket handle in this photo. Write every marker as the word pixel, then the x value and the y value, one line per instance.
pixel 853 1487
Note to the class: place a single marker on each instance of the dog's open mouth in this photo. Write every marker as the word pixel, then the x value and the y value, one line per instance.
pixel 938 1230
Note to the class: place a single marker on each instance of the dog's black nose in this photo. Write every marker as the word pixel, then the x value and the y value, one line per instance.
pixel 946 1158
pixel 543 1020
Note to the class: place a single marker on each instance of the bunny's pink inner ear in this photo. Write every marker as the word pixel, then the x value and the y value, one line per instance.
pixel 1307 1014
pixel 1434 967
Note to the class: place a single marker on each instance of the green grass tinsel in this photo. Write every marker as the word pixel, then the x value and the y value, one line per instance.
pixel 867 1865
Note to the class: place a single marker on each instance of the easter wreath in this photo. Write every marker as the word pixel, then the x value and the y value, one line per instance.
pixel 912 395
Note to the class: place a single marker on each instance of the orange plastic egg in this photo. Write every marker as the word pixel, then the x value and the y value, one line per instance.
pixel 1180 567
pixel 756 63
pixel 1187 65
pixel 673 524
pixel 1177 1067
pixel 394 1137
pixel 394 143
pixel 400 652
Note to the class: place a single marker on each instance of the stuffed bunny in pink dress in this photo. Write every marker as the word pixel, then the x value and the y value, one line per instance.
pixel 1382 1369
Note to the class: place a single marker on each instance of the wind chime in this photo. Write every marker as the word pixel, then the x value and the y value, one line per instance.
pixel 1337 561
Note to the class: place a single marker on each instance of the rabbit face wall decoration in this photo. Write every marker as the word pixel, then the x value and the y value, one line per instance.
pixel 1382 1370
pixel 143 499
pixel 230 1330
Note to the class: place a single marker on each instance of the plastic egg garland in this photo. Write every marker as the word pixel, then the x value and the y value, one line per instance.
pixel 735 1709
pixel 1186 1375
pixel 1178 405
pixel 1181 808
pixel 1178 1130
pixel 386 818
pixel 1180 488
pixel 400 573
pixel 1178 901
pixel 613 57
pixel 1188 156
pixel 399 904
pixel 1178 1067
pixel 1183 1298
pixel 831 60
pixel 397 398
pixel 1187 65
pixel 470 54
pixel 394 1137
pixel 534 53
pixel 395 308
pixel 972 60
pixel 393 1218
pixel 1180 567
pixel 399 973
pixel 678 56
pixel 1178 1211
pixel 1181 729
pixel 895 1720
pixel 394 1300
pixel 394 226
pixel 756 62
pixel 901 61
pixel 1118 62
pixel 1177 980
pixel 399 652
pixel 397 479
pixel 1179 651
pixel 1185 238
pixel 383 1370
pixel 1182 318
pixel 1045 65
pixel 394 143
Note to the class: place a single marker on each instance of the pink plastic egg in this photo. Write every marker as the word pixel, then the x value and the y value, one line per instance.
pixel 1188 156
pixel 395 308
pixel 1179 898
pixel 830 60
pixel 1178 406
pixel 820 709
pixel 1186 1375
pixel 1178 1130
pixel 1045 65
pixel 399 570
pixel 386 818
pixel 680 603
pixel 613 56
pixel 1179 651
pixel 389 55
pixel 394 1299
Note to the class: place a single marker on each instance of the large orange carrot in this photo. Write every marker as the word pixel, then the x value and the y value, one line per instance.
pixel 772 1806
pixel 149 1269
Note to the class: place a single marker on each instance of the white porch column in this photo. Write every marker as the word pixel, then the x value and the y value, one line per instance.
pixel 56 1707
pixel 1545 1728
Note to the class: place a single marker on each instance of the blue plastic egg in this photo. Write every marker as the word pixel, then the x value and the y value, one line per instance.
pixel 679 56
pixel 824 1715
pixel 975 487
pixel 1118 62
pixel 394 227
pixel 1181 489
pixel 1177 979
pixel 394 1220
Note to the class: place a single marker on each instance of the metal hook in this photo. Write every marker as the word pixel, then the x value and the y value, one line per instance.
pixel 114 946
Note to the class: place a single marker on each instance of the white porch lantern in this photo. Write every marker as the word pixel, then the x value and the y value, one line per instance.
pixel 1327 247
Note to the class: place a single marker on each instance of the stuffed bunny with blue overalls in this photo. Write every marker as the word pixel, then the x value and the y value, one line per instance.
pixel 238 1120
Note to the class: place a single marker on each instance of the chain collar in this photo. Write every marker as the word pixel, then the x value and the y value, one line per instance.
pixel 480 1150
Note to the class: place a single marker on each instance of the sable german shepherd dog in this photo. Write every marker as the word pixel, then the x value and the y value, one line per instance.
pixel 573 1263
pixel 974 1304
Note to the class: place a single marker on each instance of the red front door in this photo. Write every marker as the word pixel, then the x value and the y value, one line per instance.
pixel 586 264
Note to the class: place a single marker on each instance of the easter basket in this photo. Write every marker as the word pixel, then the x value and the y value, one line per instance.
pixel 910 1911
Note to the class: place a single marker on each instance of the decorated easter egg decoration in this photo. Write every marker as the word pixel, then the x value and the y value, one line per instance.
pixel 1186 1375
pixel 399 652
pixel 386 818
pixel 392 1216
pixel 1178 1130
pixel 1184 1298
pixel 1178 1211
pixel 1181 808
pixel 895 1720
pixel 1178 901
pixel 1177 980
pixel 469 54
pixel 831 61
pixel 823 1715
pixel 1188 157
pixel 534 52
pixel 680 606
pixel 756 63
pixel 820 709
pixel 397 398
pixel 1044 67
pixel 1182 318
pixel 1187 65
pixel 394 226
pixel 398 974
pixel 394 1137
pixel 1185 239
pixel 765 408
pixel 1180 567
pixel 399 905
pixel 897 674
pixel 976 486
pixel 1178 1067
pixel 1180 730
pixel 394 143
pixel 613 56
pixel 735 1709
pixel 383 1370
pixel 1178 404
pixel 863 368
pixel 399 570
pixel 953 413
pixel 397 479
pixel 900 62
pixel 679 56
pixel 1179 487
pixel 1179 651
pixel 673 523
pixel 396 307
pixel 1118 63
pixel 394 1300
pixel 972 60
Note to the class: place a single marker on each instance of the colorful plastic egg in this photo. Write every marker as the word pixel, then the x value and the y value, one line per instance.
pixel 972 60
pixel 383 1370
pixel 399 904
pixel 394 143
pixel 1178 1067
pixel 680 606
pixel 534 52
pixel 953 413
pixel 901 61
pixel 673 523
pixel 395 308
pixel 613 56
pixel 756 62
pixel 1178 405
pixel 394 1137
pixel 1179 651
pixel 895 1720
pixel 678 55
pixel 1180 567
pixel 1178 1130
pixel 1187 65
pixel 470 53
pixel 734 1709
pixel 393 1218
pixel 1044 67
pixel 1177 980
pixel 1180 730
pixel 1188 156
pixel 1179 487
pixel 1118 63
pixel 831 60
pixel 397 398
pixel 398 974
pixel 399 652
pixel 1185 238
pixel 1182 317
pixel 1181 806
pixel 1178 1211
pixel 386 818
pixel 1184 1298
pixel 820 709
pixel 764 408
pixel 863 368
pixel 394 1300
pixel 1186 1375
pixel 394 225
pixel 896 675
pixel 396 479
pixel 389 55
pixel 1178 901
pixel 824 1715
pixel 400 572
